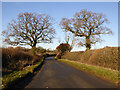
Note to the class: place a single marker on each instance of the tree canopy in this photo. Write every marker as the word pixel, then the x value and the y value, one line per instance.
pixel 29 29
pixel 87 24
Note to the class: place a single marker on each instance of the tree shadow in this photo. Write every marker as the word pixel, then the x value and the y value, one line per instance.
pixel 24 81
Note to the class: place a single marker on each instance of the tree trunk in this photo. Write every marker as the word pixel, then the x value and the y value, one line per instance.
pixel 34 44
pixel 33 51
pixel 88 44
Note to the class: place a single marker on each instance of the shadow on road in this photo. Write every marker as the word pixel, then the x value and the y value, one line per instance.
pixel 55 74
pixel 29 77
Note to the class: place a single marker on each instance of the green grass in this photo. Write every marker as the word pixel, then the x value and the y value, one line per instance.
pixel 12 77
pixel 0 82
pixel 107 74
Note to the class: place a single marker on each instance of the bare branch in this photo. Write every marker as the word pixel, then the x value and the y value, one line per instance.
pixel 29 29
pixel 86 24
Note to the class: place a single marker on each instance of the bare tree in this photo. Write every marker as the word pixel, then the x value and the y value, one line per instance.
pixel 69 39
pixel 87 24
pixel 29 29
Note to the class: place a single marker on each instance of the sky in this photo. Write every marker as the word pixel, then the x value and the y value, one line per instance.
pixel 58 10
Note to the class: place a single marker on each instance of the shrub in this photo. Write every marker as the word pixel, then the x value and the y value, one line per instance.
pixel 15 59
pixel 22 49
pixel 106 57
pixel 37 50
pixel 11 58
pixel 72 55
pixel 64 47
pixel 40 50
pixel 86 55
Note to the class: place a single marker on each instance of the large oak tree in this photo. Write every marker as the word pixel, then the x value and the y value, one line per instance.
pixel 29 29
pixel 87 24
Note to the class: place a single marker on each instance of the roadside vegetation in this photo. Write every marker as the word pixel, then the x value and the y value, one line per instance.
pixel 19 62
pixel 105 57
pixel 61 49
pixel 14 77
pixel 105 73
pixel 17 58
pixel 103 62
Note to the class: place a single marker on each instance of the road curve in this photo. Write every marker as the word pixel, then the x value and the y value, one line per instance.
pixel 55 74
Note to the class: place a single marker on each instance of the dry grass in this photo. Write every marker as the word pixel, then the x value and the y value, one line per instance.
pixel 16 59
pixel 105 57
pixel 86 55
pixel 72 55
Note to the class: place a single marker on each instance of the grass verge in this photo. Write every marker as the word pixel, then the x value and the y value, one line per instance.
pixel 12 78
pixel 107 74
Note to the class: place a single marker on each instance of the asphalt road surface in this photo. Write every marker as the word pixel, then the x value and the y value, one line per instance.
pixel 55 74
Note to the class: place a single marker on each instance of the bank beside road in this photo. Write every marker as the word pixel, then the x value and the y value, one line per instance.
pixel 14 78
pixel 104 73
